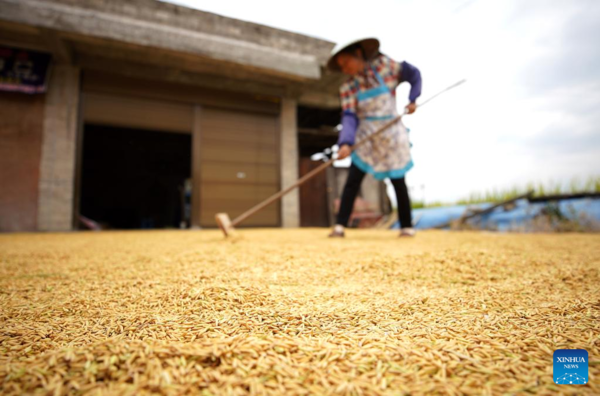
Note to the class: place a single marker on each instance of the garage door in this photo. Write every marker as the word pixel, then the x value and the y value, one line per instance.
pixel 239 165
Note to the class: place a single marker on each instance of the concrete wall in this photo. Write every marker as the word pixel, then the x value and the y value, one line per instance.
pixel 21 118
pixel 59 142
pixel 290 204
pixel 145 23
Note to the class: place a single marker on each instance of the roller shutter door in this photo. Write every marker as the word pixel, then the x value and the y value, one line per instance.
pixel 239 165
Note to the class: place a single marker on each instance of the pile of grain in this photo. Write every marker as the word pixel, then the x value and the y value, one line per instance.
pixel 291 312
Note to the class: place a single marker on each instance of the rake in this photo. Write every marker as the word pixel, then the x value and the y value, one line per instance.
pixel 228 226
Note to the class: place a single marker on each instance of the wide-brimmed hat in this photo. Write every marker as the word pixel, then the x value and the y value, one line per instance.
pixel 369 45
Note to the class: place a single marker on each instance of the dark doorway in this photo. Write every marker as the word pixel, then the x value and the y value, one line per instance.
pixel 316 132
pixel 133 178
pixel 314 200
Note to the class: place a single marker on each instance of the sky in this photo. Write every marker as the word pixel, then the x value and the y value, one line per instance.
pixel 530 109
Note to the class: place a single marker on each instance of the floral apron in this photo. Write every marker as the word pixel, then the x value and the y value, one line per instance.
pixel 387 155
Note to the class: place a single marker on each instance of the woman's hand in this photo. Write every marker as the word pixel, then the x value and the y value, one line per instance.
pixel 344 152
pixel 411 108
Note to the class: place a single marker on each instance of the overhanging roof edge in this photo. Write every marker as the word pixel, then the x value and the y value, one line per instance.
pixel 133 31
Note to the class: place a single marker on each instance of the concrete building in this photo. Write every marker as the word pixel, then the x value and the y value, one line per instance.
pixel 144 95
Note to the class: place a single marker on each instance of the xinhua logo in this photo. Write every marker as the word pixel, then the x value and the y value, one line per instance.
pixel 570 367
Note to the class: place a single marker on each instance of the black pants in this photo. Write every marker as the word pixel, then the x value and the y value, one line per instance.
pixel 355 178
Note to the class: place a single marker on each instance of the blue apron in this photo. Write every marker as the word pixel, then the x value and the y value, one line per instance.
pixel 388 155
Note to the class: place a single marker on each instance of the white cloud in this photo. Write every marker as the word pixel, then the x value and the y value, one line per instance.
pixel 532 70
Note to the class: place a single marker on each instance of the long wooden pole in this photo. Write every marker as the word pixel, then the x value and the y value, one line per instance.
pixel 325 165
pixel 309 175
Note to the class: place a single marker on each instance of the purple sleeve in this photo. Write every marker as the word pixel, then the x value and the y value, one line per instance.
pixel 412 75
pixel 349 126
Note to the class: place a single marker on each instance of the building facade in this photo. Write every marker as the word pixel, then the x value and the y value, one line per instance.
pixel 155 115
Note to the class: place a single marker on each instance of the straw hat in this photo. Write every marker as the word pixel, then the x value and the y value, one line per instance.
pixel 369 45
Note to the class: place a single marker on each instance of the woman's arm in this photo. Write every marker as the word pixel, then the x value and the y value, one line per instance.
pixel 348 100
pixel 349 126
pixel 412 75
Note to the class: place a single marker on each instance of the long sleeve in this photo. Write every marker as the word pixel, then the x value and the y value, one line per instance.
pixel 412 75
pixel 349 126
pixel 348 92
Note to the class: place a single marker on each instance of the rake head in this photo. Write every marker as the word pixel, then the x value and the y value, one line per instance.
pixel 224 223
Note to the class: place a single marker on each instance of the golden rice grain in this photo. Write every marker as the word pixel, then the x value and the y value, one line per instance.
pixel 291 312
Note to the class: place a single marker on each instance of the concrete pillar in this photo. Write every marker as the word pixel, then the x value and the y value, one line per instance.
pixel 59 142
pixel 290 203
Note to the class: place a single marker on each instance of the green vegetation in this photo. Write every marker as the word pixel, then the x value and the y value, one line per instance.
pixel 574 186
pixel 421 204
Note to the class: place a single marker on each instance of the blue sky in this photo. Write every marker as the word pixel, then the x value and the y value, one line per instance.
pixel 530 110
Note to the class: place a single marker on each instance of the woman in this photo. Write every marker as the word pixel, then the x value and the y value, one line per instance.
pixel 368 102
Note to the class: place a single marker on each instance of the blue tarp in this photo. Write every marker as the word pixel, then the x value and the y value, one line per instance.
pixel 518 218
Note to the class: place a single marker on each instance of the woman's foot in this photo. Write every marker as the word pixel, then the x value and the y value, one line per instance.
pixel 337 232
pixel 407 232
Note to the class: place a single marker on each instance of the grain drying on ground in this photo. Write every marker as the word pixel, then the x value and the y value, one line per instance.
pixel 291 312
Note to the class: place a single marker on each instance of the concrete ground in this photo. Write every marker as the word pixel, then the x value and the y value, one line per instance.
pixel 292 312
